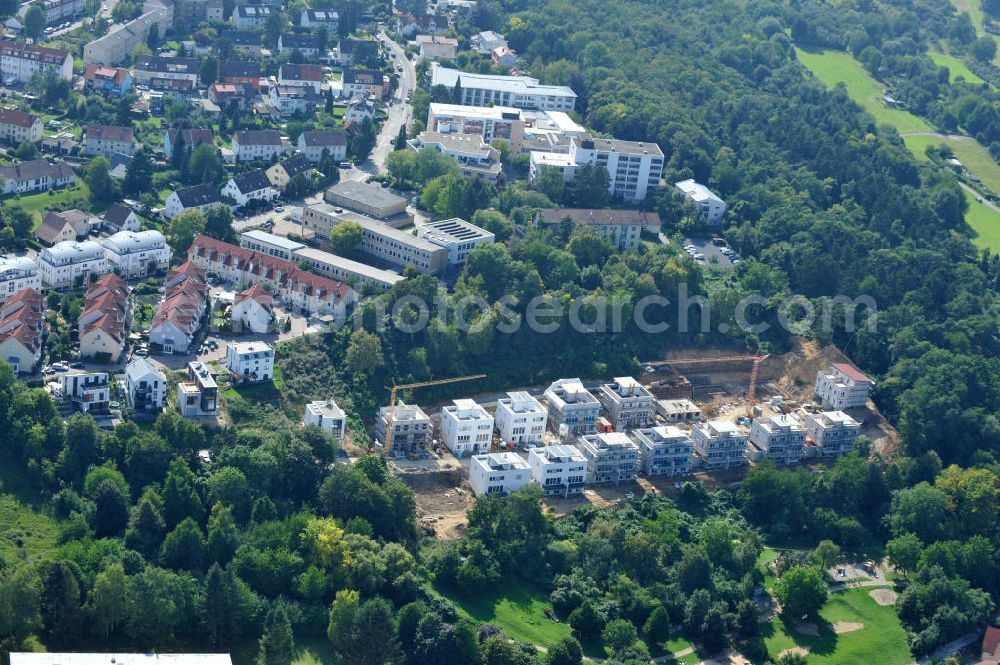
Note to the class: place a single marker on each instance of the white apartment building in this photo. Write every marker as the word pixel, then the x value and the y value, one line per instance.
pixel 832 432
pixel 313 144
pixel 257 144
pixel 411 429
pixel 246 17
pixel 320 18
pixel 664 451
pixel 250 186
pixel 622 228
pixel 559 470
pixel 70 263
pixel 119 42
pixel 17 274
pixel 521 419
pixel 106 140
pixel 290 100
pixel 475 157
pixel 781 438
pixel 16 127
pixel 379 240
pixel 498 473
pixel 149 67
pixel 20 61
pixel 250 362
pixel 843 386
pixel 572 405
pixel 199 395
pixel 270 244
pixel 145 386
pixel 35 175
pixel 521 92
pixel 710 205
pixel 627 403
pixel 466 427
pixel 720 444
pixel 88 391
pixel 326 415
pixel 634 167
pixel 137 254
pixel 456 235
pixel 612 457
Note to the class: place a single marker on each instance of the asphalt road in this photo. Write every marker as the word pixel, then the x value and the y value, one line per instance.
pixel 705 246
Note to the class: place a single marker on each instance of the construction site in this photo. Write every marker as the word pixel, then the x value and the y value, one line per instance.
pixel 712 384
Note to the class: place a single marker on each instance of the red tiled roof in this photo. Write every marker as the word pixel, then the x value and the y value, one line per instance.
pixel 257 293
pixel 95 72
pixel 22 318
pixel 991 640
pixel 851 372
pixel 104 307
pixel 18 118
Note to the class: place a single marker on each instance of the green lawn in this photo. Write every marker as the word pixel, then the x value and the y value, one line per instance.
pixel 62 199
pixel 763 562
pixel 24 533
pixel 955 67
pixel 882 639
pixel 833 67
pixel 974 9
pixel 984 222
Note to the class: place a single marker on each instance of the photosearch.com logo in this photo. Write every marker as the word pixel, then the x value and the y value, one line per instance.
pixel 651 314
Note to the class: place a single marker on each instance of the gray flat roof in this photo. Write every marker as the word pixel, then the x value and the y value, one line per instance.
pixel 380 228
pixel 271 239
pixel 377 274
pixel 368 194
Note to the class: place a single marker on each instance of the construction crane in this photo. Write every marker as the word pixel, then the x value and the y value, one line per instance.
pixel 752 390
pixel 387 444
pixel 754 372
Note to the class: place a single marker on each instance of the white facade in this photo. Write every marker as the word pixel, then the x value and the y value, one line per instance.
pixel 200 197
pixel 250 362
pixel 521 419
pixel 20 61
pixel 572 405
pixel 17 274
pixel 517 91
pixel 456 235
pixel 270 244
pixel 337 267
pixel 720 444
pixel 664 451
pixel 312 144
pixel 244 188
pixel 89 391
pixel 498 473
pixel 139 254
pixel 843 387
pixel 70 263
pixel 475 157
pixel 711 206
pixel 612 457
pixel 326 415
pixel 627 403
pixel 832 432
pixel 145 386
pixel 781 438
pixel 250 146
pixel 466 428
pixel 559 470
pixel 199 395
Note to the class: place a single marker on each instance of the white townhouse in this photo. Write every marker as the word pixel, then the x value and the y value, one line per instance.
pixel 664 451
pixel 257 144
pixel 520 419
pixel 16 274
pixel 559 470
pixel 498 473
pixel 88 391
pixel 145 386
pixel 250 186
pixel 843 386
pixel 68 264
pixel 707 202
pixel 119 217
pixel 199 395
pixel 35 175
pixel 612 457
pixel 106 140
pixel 252 16
pixel 250 362
pixel 358 110
pixel 466 428
pixel 200 197
pixel 326 415
pixel 781 438
pixel 22 330
pixel 17 127
pixel 627 403
pixel 291 100
pixel 833 433
pixel 254 310
pixel 313 144
pixel 572 405
pixel 720 444
pixel 137 254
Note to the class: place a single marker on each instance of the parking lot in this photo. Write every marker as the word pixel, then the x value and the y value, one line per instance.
pixel 714 254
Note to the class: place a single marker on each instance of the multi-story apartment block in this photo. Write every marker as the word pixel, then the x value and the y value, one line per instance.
pixel 521 92
pixel 88 391
pixel 627 403
pixel 358 110
pixel 521 419
pixel 720 444
pixel 17 127
pixel 843 386
pixel 332 142
pixel 622 228
pixel 303 75
pixel 456 235
pixel 145 387
pixel 189 13
pixel 379 240
pixel 710 205
pixel 559 470
pixel 56 11
pixel 475 157
pixel 257 144
pixel 411 429
pixel 498 473
pixel 270 244
pixel 326 415
pixel 664 451
pixel 17 274
pixel 364 83
pixel 781 438
pixel 120 41
pixel 466 428
pixel 137 254
pixel 572 405
pixel 634 167
pixel 345 270
pixel 20 61
pixel 36 175
pixel 246 17
pixel 149 67
pixel 832 432
pixel 250 362
pixel 105 140
pixel 70 263
pixel 612 457
pixel 199 395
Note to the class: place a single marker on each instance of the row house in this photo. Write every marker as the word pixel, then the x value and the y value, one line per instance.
pixel 17 274
pixel 293 286
pixel 627 403
pixel 257 145
pixel 612 457
pixel 320 18
pixel 246 17
pixel 250 186
pixel 780 438
pixel 254 310
pixel 573 406
pixel 105 140
pixel 720 444
pixel 20 61
pixel 149 67
pixel 145 387
pixel 22 330
pixel 36 175
pixel 559 470
pixel 18 127
pixel 411 429
pixel 179 316
pixel 832 433
pixel 521 419
pixel 137 254
pixel 664 451
pixel 498 473
pixel 103 322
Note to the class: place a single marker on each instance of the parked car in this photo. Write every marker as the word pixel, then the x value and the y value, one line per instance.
pixel 60 367
pixel 141 352
pixel 77 365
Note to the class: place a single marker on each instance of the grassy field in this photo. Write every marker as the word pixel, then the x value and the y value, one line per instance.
pixel 984 222
pixel 833 67
pixel 882 633
pixel 24 533
pixel 974 9
pixel 955 67
pixel 62 199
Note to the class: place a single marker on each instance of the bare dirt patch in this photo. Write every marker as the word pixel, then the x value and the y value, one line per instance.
pixel 807 629
pixel 728 658
pixel 799 651
pixel 883 596
pixel 847 627
pixel 443 509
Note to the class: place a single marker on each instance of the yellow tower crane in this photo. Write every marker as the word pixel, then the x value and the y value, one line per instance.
pixel 387 444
